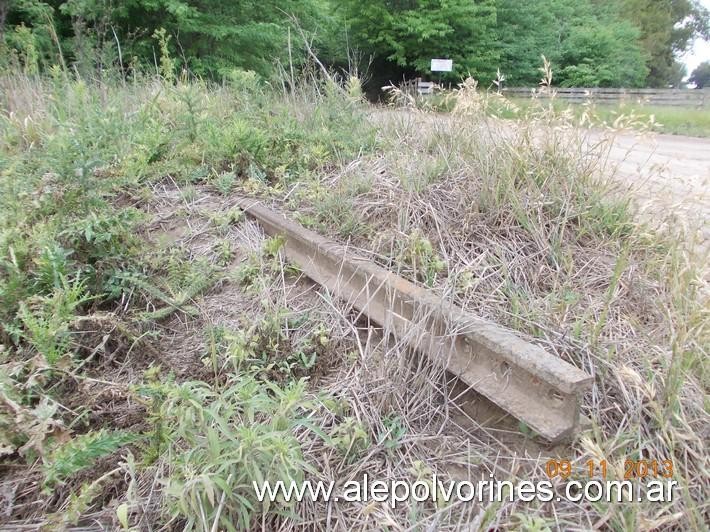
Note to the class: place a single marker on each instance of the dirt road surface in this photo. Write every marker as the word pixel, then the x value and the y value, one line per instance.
pixel 670 176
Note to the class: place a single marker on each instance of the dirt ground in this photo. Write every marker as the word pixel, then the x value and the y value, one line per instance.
pixel 669 174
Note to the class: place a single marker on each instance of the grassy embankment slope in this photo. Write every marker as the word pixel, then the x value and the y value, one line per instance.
pixel 159 354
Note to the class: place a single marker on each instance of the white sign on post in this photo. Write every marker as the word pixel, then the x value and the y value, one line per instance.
pixel 441 65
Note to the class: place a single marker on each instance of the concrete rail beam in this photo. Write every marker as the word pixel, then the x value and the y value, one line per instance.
pixel 536 387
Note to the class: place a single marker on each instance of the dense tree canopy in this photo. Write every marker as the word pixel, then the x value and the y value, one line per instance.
pixel 409 33
pixel 585 42
pixel 209 36
pixel 588 42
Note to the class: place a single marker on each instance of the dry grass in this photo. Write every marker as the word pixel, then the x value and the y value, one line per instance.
pixel 518 225
pixel 534 235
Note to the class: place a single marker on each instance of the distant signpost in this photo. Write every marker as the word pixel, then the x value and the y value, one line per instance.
pixel 418 87
pixel 441 65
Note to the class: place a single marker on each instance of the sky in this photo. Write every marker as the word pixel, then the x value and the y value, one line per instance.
pixel 700 51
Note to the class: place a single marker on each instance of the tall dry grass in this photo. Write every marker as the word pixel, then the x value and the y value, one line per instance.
pixel 531 230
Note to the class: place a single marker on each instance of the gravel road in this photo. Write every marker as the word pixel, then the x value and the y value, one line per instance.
pixel 669 174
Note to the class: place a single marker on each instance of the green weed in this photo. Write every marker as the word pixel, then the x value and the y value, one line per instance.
pixel 350 438
pixel 225 182
pixel 47 319
pixel 81 161
pixel 80 453
pixel 224 440
pixel 418 252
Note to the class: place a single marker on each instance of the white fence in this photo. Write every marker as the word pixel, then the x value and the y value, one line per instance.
pixel 678 97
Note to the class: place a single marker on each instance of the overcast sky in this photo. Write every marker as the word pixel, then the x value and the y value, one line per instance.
pixel 700 51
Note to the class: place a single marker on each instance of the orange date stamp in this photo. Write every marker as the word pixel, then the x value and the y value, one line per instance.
pixel 633 469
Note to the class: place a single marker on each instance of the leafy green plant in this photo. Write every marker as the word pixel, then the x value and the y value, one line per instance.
pixel 224 252
pixel 248 272
pixel 189 95
pixel 223 220
pixel 185 280
pixel 350 438
pixel 273 245
pixel 393 433
pixel 52 266
pixel 167 64
pixel 47 319
pixel 225 439
pixel 419 253
pixel 262 265
pixel 225 182
pixel 304 355
pixel 82 452
pixel 152 392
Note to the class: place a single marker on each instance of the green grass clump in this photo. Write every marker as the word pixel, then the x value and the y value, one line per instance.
pixel 84 286
pixel 81 452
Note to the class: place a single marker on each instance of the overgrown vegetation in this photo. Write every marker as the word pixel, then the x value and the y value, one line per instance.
pixel 159 353
pixel 84 282
pixel 633 115
pixel 674 120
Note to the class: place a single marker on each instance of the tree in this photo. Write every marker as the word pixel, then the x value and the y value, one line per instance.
pixel 4 9
pixel 587 44
pixel 526 31
pixel 603 55
pixel 668 27
pixel 209 37
pixel 25 34
pixel 701 75
pixel 404 35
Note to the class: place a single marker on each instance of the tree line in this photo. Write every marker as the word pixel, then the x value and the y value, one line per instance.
pixel 603 43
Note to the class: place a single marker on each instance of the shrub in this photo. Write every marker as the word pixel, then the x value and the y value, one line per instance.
pixel 223 440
